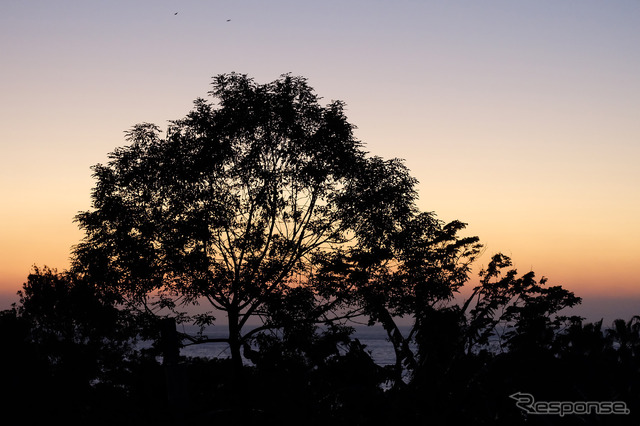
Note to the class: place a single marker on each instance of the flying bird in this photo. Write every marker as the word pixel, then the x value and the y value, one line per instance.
pixel 228 20
pixel 176 13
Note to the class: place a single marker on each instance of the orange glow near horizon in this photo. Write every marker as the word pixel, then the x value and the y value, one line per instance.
pixel 522 120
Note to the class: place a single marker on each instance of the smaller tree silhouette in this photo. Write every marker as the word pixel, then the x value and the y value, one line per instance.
pixel 625 335
pixel 80 328
pixel 414 264
pixel 511 312
pixel 71 349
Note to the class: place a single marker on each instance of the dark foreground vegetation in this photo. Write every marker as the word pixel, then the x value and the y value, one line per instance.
pixel 262 206
pixel 70 356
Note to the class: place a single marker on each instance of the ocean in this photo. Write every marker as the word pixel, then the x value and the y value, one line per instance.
pixel 374 338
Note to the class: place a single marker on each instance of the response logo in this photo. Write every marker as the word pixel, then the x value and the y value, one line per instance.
pixel 529 405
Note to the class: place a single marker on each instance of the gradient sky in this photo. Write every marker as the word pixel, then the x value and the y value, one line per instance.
pixel 521 119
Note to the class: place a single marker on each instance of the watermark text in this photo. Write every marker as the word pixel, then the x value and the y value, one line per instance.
pixel 529 405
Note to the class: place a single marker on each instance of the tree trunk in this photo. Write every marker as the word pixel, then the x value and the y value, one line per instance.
pixel 176 376
pixel 235 344
pixel 404 356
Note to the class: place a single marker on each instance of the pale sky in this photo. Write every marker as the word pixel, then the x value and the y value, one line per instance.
pixel 520 118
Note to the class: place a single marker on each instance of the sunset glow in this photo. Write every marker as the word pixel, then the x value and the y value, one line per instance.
pixel 521 119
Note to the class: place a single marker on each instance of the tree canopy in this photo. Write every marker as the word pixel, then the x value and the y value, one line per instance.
pixel 239 202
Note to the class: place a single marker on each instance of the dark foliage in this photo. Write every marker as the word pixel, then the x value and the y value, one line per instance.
pixel 240 201
pixel 69 355
pixel 79 365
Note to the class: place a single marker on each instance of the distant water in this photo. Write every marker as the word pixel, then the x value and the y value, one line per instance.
pixel 374 338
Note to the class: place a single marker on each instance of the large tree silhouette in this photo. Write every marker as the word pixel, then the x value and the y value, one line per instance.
pixel 261 203
pixel 237 203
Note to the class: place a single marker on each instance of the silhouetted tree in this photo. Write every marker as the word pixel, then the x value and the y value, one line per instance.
pixel 513 312
pixel 416 263
pixel 79 327
pixel 262 204
pixel 237 204
pixel 69 351
pixel 626 336
pixel 503 336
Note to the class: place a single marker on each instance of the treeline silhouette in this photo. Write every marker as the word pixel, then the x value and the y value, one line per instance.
pixel 69 354
pixel 262 206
